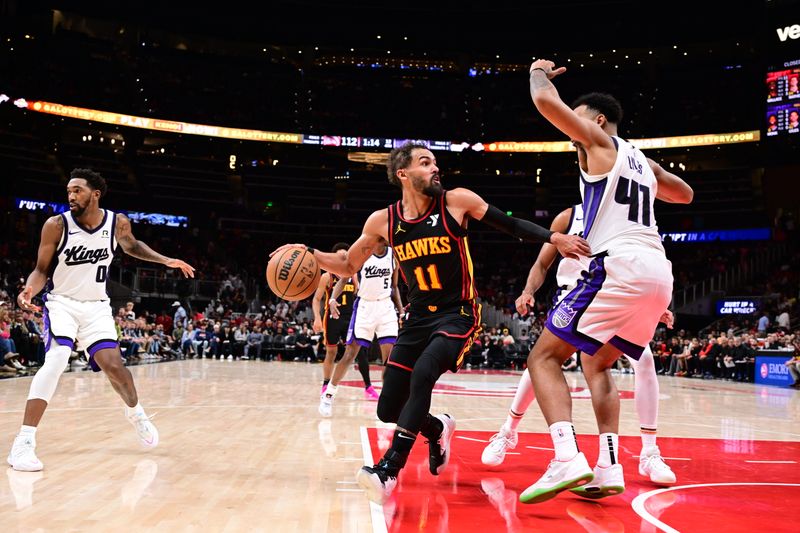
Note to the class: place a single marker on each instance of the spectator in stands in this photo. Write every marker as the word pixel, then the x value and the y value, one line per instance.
pixel 783 319
pixel 180 316
pixel 186 340
pixel 793 365
pixel 129 313
pixel 253 343
pixel 303 349
pixel 240 340
pixel 763 323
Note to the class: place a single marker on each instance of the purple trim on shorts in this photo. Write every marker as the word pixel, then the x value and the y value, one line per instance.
pixel 104 344
pixel 352 326
pixel 387 340
pixel 628 348
pixel 562 321
pixel 362 342
pixel 48 333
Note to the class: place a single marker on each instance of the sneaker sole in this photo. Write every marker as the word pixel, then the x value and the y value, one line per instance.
pixel 543 495
pixel 596 493
pixel 367 482
pixel 666 483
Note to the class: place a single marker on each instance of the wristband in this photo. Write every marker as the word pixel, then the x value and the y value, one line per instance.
pixel 310 250
pixel 539 68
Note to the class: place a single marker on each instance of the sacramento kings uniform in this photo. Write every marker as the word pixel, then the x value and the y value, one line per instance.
pixel 336 328
pixel 623 289
pixel 77 312
pixel 373 310
pixel 434 258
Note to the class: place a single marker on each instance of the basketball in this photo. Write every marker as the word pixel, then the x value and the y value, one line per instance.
pixel 293 274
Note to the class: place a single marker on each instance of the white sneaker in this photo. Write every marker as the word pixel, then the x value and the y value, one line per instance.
pixel 22 456
pixel 326 405
pixel 607 481
pixel 560 476
pixel 652 465
pixel 499 444
pixel 377 481
pixel 439 450
pixel 145 430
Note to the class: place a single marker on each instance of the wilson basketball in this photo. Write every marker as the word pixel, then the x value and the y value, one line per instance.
pixel 293 274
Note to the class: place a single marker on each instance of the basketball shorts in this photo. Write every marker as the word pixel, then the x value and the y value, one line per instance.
pixel 336 330
pixel 371 318
pixel 460 326
pixel 618 299
pixel 79 325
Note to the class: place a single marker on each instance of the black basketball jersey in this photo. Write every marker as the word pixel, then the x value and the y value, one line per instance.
pixel 434 257
pixel 345 299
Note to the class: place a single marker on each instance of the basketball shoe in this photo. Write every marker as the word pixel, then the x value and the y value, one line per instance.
pixel 370 394
pixel 23 454
pixel 560 476
pixel 145 430
pixel 439 449
pixel 652 465
pixel 607 481
pixel 499 444
pixel 326 405
pixel 380 480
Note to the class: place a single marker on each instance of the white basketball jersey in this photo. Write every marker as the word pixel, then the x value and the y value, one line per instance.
pixel 618 207
pixel 569 270
pixel 375 277
pixel 84 258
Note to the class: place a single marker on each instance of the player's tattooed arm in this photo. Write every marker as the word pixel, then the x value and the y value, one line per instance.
pixel 138 249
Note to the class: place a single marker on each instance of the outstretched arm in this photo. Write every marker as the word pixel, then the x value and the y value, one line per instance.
pixel 467 203
pixel 542 264
pixel 346 265
pixel 315 305
pixel 140 250
pixel 671 188
pixel 52 231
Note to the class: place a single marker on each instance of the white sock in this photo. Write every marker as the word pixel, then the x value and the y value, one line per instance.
pixel 512 421
pixel 136 409
pixel 28 430
pixel 331 390
pixel 564 441
pixel 648 437
pixel 609 449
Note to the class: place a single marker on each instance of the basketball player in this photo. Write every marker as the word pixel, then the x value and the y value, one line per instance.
pixel 623 289
pixel 375 312
pixel 651 464
pixel 75 253
pixel 427 229
pixel 334 329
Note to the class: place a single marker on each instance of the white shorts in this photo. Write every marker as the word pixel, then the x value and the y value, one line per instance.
pixel 371 318
pixel 79 325
pixel 617 300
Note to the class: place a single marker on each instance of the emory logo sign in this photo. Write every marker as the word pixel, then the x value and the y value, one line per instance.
pixel 789 32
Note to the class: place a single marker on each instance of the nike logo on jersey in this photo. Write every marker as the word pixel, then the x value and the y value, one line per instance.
pixel 433 220
pixel 74 232
pixel 80 255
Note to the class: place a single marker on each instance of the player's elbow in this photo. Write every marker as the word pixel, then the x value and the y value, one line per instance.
pixel 686 195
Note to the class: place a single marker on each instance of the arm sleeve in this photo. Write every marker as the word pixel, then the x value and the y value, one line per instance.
pixel 516 227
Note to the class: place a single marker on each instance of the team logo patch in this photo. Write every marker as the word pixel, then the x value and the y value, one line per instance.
pixel 563 315
pixel 432 308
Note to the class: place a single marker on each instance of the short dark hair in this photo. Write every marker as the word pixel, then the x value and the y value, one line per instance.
pixel 340 246
pixel 400 157
pixel 93 179
pixel 603 103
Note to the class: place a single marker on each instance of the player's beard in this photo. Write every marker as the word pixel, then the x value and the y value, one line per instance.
pixel 433 188
pixel 79 210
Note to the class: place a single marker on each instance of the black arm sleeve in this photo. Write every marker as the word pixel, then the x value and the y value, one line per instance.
pixel 517 227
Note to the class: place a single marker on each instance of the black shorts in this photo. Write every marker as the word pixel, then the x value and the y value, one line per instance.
pixel 336 330
pixel 460 326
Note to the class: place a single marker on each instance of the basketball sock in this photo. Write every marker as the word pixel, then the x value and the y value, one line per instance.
pixel 513 420
pixel 564 440
pixel 27 430
pixel 136 409
pixel 523 398
pixel 432 427
pixel 331 390
pixel 363 367
pixel 609 448
pixel 325 382
pixel 402 442
pixel 648 437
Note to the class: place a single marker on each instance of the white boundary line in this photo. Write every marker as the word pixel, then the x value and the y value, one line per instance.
pixel 638 502
pixel 774 462
pixel 375 510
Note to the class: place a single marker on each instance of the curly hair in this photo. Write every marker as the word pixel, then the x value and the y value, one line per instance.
pixel 93 179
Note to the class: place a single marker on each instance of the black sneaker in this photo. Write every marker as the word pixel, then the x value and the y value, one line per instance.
pixel 439 449
pixel 380 480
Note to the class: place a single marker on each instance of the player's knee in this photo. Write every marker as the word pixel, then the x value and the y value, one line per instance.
pixel 387 411
pixel 423 378
pixel 44 383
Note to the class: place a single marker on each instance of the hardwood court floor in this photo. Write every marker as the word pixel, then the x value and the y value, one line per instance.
pixel 243 449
